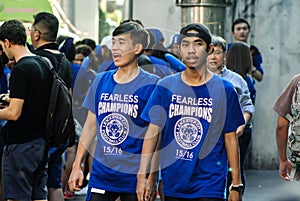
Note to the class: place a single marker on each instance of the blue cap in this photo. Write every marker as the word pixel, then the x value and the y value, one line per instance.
pixel 174 40
pixel 158 35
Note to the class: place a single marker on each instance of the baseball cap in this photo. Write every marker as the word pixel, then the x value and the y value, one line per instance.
pixel 203 32
pixel 158 35
pixel 107 41
pixel 174 40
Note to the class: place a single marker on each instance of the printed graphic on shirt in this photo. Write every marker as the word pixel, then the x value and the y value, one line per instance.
pixel 120 103
pixel 114 129
pixel 188 132
pixel 189 106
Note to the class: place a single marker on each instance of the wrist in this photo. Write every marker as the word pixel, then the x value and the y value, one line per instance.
pixel 253 70
pixel 141 176
pixel 238 187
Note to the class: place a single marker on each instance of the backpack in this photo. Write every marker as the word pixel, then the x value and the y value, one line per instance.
pixel 60 126
pixel 294 136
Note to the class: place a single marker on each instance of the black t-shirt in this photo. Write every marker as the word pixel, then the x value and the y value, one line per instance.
pixel 31 81
pixel 61 65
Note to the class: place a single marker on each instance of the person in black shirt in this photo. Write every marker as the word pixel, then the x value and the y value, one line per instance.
pixel 25 152
pixel 43 35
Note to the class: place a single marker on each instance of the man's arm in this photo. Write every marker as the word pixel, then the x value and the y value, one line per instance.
pixel 232 149
pixel 88 135
pixel 149 146
pixel 13 111
pixel 285 167
pixel 256 74
pixel 240 129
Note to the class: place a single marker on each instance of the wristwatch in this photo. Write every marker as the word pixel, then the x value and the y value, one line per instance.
pixel 253 71
pixel 239 188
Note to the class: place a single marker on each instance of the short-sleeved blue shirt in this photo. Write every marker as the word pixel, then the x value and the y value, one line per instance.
pixel 120 130
pixel 194 121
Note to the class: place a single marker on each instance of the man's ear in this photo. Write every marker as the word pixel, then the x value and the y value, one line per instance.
pixel 7 43
pixel 138 48
pixel 36 35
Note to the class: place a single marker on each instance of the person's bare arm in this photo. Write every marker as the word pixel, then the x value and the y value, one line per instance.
pixel 86 139
pixel 149 146
pixel 285 167
pixel 13 110
pixel 232 149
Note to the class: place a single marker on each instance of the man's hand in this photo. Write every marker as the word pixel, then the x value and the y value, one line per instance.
pixel 285 169
pixel 141 187
pixel 75 180
pixel 234 196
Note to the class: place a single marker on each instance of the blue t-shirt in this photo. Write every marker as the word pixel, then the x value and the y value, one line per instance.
pixel 194 120
pixel 120 130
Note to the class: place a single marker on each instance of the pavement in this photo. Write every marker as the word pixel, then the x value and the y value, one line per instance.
pixel 262 185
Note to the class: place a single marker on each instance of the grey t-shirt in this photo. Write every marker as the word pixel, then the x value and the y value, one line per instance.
pixel 283 104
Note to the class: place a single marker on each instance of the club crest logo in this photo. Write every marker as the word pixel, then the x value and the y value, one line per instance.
pixel 114 129
pixel 188 132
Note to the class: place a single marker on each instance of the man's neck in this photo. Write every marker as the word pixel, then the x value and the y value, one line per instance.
pixel 20 52
pixel 196 77
pixel 127 74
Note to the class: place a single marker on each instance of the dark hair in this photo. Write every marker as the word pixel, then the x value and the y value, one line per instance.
pixel 238 58
pixel 151 40
pixel 14 31
pixel 133 20
pixel 47 24
pixel 83 49
pixel 89 42
pixel 137 33
pixel 239 21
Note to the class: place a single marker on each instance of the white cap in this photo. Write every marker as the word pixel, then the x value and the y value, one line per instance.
pixel 107 41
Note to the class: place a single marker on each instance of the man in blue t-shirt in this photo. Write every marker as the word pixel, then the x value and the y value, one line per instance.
pixel 197 114
pixel 115 101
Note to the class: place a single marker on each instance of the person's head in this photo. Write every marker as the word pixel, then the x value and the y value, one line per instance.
pixel 240 30
pixel 106 44
pixel 195 44
pixel 128 42
pixel 151 44
pixel 89 42
pixel 12 33
pixel 239 59
pixel 174 45
pixel 81 52
pixel 215 61
pixel 44 29
pixel 159 38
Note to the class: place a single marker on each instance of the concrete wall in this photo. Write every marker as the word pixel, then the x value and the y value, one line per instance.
pixel 274 31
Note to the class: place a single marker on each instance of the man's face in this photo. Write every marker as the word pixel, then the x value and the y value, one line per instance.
pixel 193 51
pixel 123 51
pixel 175 49
pixel 241 32
pixel 216 59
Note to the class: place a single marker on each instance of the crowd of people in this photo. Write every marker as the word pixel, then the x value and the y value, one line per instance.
pixel 175 119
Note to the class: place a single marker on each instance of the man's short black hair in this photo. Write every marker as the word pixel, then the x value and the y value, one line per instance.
pixel 239 21
pixel 14 31
pixel 137 33
pixel 47 24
